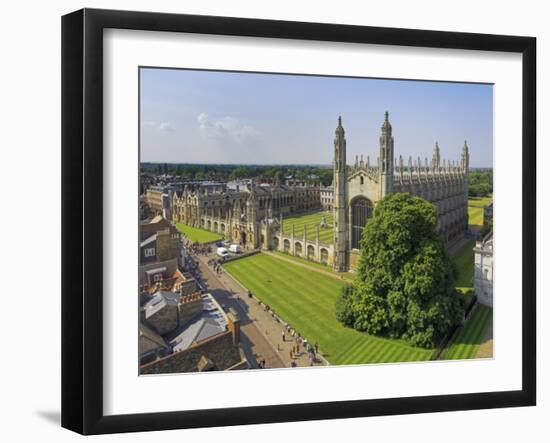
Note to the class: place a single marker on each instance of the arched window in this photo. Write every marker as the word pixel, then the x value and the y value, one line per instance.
pixel 361 211
pixel 324 256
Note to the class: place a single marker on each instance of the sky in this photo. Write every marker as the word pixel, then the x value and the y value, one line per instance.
pixel 191 116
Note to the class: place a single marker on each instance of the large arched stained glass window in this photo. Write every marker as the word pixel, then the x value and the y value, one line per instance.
pixel 361 211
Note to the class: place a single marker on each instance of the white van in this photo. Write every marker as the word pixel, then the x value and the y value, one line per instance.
pixel 222 252
pixel 235 249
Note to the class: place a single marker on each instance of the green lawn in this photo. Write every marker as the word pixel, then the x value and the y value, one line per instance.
pixel 348 275
pixel 475 216
pixel 197 235
pixel 475 210
pixel 464 261
pixel 466 343
pixel 306 300
pixel 309 221
pixel 480 201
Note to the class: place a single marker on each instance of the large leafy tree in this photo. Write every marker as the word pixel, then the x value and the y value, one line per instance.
pixel 405 284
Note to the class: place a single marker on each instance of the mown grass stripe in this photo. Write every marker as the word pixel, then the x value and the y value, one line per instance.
pixel 469 338
pixel 474 336
pixel 365 350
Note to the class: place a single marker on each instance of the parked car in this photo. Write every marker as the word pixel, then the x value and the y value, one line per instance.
pixel 235 249
pixel 222 252
pixel 219 243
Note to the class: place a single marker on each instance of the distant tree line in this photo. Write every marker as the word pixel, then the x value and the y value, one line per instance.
pixel 480 183
pixel 309 174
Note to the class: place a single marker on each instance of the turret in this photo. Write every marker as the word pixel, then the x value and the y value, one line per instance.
pixel 252 204
pixel 465 158
pixel 340 199
pixel 339 147
pixel 436 158
pixel 385 161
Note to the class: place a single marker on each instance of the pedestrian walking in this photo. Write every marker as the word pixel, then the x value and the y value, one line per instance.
pixel 291 356
pixel 283 334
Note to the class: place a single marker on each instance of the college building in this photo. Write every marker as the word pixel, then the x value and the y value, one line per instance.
pixel 253 214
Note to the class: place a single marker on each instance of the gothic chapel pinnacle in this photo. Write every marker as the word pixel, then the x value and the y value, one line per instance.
pixel 359 187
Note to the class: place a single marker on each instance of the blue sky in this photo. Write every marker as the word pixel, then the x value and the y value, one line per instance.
pixel 222 117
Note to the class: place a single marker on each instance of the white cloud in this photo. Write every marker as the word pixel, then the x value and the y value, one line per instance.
pixel 225 127
pixel 165 126
pixel 160 126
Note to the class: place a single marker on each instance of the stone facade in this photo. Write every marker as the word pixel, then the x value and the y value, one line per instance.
pixel 159 241
pixel 483 270
pixel 246 215
pixel 327 198
pixel 160 244
pixel 167 311
pixel 359 187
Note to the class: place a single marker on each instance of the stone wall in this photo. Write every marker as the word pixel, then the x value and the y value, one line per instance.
pixel 312 250
pixel 167 245
pixel 188 310
pixel 164 320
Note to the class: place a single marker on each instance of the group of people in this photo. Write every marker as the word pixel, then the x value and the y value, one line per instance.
pixel 299 346
pixel 198 248
pixel 216 265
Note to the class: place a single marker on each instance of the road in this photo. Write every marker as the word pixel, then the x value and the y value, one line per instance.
pixel 254 344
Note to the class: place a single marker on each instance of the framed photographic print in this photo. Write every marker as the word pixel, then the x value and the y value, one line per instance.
pixel 271 221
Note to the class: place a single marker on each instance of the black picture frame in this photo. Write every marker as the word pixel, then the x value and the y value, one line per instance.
pixel 82 218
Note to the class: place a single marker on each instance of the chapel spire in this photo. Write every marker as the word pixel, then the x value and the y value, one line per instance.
pixel 436 158
pixel 465 157
pixel 385 166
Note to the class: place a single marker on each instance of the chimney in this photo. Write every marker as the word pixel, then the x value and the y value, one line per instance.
pixel 234 325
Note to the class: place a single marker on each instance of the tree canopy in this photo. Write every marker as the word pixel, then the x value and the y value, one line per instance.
pixel 405 283
pixel 480 183
pixel 311 174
